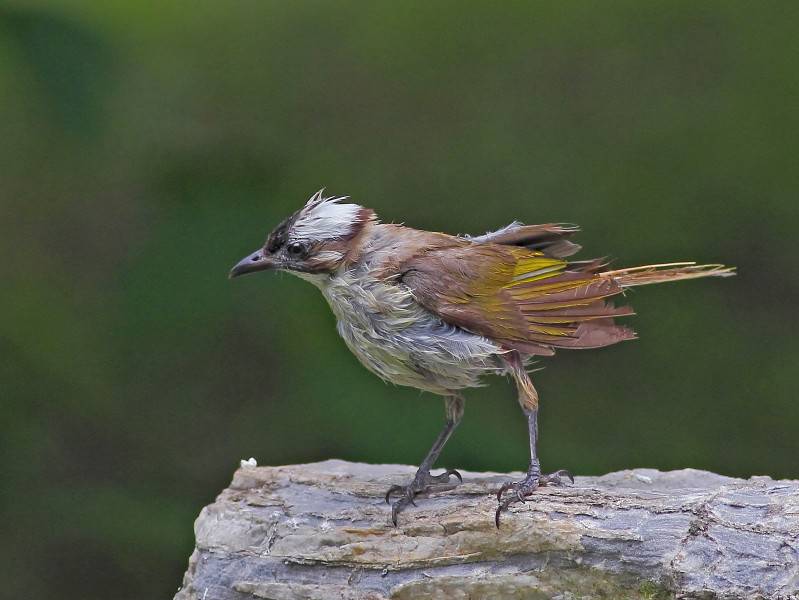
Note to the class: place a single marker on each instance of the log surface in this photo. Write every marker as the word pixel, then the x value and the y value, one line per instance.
pixel 321 530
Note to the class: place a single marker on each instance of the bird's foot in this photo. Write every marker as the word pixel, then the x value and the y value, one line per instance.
pixel 521 490
pixel 420 483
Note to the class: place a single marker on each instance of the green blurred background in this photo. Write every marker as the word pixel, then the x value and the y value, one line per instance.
pixel 147 147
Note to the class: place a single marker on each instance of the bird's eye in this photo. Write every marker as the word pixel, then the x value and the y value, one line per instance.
pixel 296 249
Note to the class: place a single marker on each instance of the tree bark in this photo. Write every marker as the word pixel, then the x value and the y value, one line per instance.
pixel 322 530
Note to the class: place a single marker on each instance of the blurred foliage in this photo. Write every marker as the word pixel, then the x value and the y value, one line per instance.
pixel 147 147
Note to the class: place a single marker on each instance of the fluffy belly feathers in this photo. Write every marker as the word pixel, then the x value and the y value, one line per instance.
pixel 401 342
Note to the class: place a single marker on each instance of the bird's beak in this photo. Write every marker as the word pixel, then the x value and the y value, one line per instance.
pixel 250 264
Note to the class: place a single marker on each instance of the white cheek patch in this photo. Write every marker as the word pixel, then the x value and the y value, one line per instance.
pixel 326 256
pixel 326 220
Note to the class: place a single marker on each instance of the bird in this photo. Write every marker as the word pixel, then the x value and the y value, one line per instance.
pixel 438 312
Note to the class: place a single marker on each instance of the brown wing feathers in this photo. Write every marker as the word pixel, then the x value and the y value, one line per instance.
pixel 521 298
pixel 464 285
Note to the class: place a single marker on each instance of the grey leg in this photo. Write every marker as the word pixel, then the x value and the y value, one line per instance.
pixel 528 398
pixel 423 479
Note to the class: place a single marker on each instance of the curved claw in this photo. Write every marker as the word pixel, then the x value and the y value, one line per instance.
pixel 391 490
pixel 502 506
pixel 504 488
pixel 400 504
pixel 420 484
pixel 524 489
pixel 520 497
pixel 565 473
pixel 444 477
pixel 454 472
pixel 555 478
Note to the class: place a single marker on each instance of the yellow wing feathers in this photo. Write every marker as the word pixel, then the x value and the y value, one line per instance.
pixel 534 267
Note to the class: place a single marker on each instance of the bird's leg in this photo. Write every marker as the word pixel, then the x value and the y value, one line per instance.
pixel 528 398
pixel 423 479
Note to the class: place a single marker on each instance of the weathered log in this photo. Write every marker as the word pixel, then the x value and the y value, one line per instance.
pixel 322 530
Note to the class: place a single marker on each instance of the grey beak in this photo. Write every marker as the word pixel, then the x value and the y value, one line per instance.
pixel 250 264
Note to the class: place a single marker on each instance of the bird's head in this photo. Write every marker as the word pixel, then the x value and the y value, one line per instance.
pixel 317 239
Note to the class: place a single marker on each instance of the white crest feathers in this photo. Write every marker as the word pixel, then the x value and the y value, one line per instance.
pixel 326 217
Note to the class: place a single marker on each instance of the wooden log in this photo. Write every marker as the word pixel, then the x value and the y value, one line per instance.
pixel 322 531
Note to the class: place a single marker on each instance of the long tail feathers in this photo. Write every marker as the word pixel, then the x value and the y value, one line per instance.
pixel 677 271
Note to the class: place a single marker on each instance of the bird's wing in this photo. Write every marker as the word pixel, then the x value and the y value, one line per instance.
pixel 520 298
pixel 552 238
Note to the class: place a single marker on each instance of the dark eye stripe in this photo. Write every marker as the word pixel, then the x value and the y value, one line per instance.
pixel 278 238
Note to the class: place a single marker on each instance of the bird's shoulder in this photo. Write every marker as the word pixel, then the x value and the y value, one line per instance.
pixel 390 248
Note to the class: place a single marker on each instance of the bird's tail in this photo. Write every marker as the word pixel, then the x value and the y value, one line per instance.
pixel 677 271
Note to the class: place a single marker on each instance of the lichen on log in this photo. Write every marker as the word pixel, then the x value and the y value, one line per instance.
pixel 321 531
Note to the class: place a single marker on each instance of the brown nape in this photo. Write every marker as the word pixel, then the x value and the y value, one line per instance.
pixel 353 244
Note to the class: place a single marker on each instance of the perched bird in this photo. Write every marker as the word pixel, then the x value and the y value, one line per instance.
pixel 437 312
